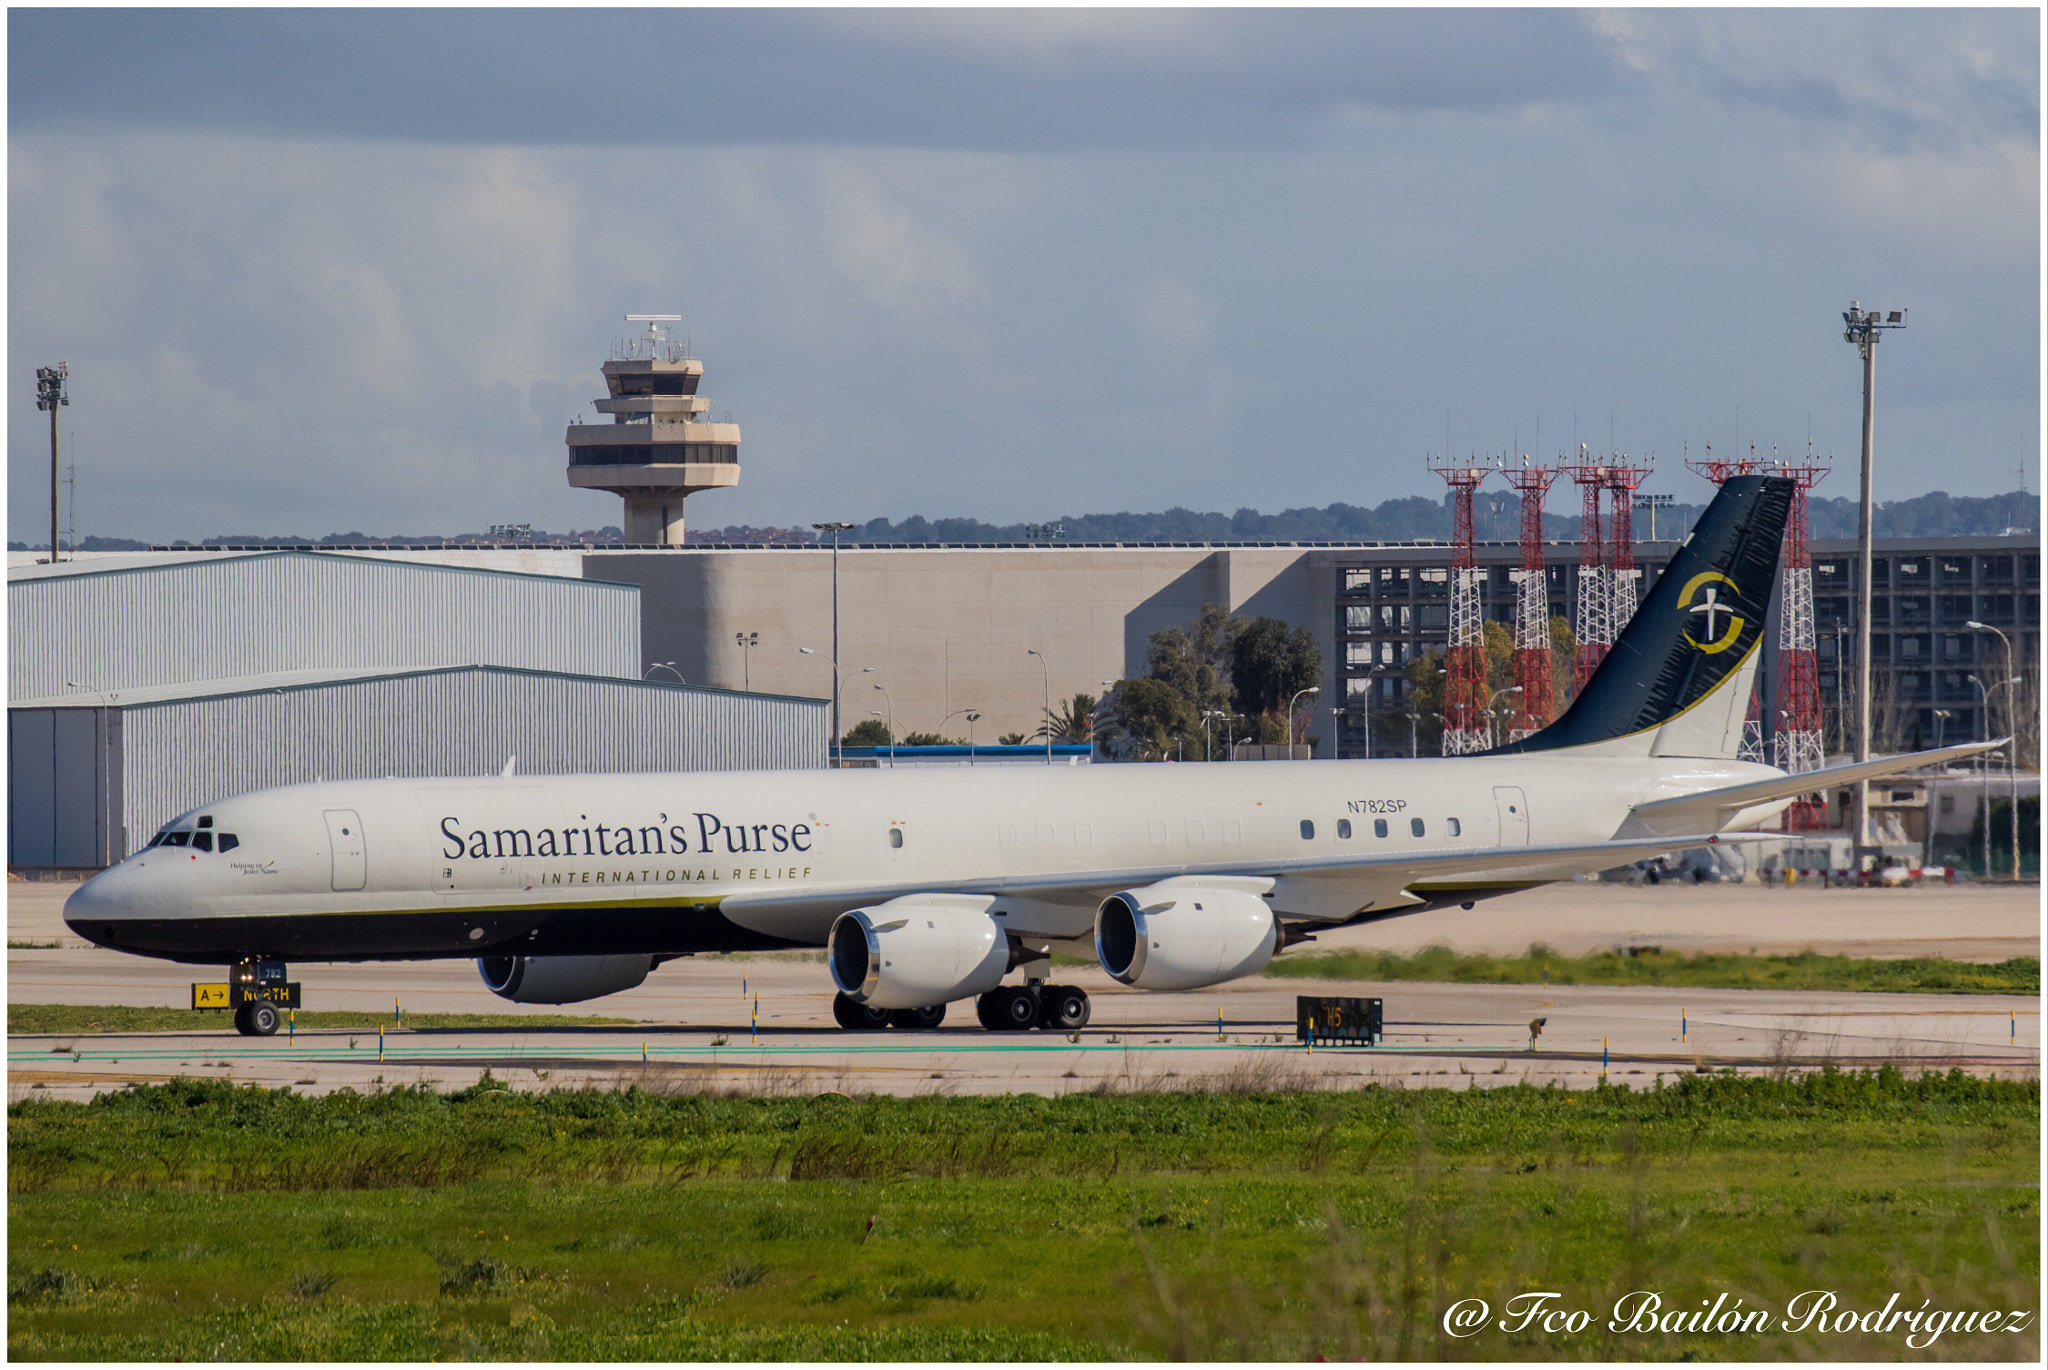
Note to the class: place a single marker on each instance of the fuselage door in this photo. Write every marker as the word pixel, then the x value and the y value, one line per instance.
pixel 345 842
pixel 1513 809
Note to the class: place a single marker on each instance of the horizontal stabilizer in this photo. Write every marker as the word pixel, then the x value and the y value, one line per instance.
pixel 1697 811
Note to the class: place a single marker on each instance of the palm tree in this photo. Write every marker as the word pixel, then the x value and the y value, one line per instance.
pixel 1074 722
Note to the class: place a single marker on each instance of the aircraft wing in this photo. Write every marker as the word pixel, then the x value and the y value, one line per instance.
pixel 1328 888
pixel 1709 809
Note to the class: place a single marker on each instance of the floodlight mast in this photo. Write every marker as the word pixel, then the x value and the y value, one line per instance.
pixel 1863 328
pixel 50 396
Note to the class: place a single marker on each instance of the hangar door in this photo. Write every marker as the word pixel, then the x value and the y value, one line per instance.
pixel 63 787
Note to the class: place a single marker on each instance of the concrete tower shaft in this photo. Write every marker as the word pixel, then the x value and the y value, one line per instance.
pixel 658 449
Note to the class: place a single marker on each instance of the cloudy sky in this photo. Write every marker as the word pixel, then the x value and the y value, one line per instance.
pixel 321 271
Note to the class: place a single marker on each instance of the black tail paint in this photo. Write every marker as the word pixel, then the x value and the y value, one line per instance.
pixel 1698 625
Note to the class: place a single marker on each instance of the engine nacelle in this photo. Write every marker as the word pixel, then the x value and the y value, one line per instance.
pixel 919 950
pixel 1186 932
pixel 561 979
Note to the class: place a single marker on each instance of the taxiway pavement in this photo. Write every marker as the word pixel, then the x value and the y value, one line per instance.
pixel 762 1023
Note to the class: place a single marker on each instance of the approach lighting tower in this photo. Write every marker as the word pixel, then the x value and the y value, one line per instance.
pixel 657 450
pixel 1622 480
pixel 1536 704
pixel 1798 745
pixel 1465 722
pixel 1593 618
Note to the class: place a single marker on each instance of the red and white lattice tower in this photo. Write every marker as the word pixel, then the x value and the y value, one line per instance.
pixel 1719 471
pixel 1536 704
pixel 1798 741
pixel 1465 724
pixel 1622 480
pixel 1593 621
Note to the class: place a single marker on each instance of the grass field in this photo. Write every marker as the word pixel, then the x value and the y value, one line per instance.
pixel 200 1220
pixel 1654 966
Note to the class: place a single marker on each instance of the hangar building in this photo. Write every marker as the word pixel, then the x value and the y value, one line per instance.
pixel 140 691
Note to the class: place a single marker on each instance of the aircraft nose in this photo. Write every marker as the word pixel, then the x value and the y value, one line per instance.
pixel 106 896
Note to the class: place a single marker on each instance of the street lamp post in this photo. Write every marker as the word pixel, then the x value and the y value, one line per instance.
pixel 668 666
pixel 746 642
pixel 1863 329
pixel 973 711
pixel 1046 671
pixel 1493 732
pixel 835 529
pixel 2012 750
pixel 1311 690
pixel 892 724
pixel 1208 715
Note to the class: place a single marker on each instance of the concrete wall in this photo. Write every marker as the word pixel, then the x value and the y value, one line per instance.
pixel 948 628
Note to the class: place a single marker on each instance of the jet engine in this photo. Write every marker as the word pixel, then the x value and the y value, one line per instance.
pixel 919 950
pixel 561 979
pixel 1185 933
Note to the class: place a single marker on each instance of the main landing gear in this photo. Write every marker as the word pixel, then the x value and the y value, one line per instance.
pixel 1010 1008
pixel 861 1018
pixel 1019 1008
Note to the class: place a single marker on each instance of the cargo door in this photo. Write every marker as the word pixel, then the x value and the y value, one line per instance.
pixel 1513 811
pixel 345 843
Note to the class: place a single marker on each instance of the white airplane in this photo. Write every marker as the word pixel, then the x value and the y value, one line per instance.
pixel 930 886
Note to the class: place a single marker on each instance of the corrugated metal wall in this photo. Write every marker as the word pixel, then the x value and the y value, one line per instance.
pixel 290 611
pixel 181 753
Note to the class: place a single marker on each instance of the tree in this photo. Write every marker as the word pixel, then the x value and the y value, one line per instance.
pixel 1010 740
pixel 871 732
pixel 1269 664
pixel 1072 723
pixel 1195 659
pixel 1153 716
pixel 930 740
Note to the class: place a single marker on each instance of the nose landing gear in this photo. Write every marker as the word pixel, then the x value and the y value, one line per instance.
pixel 260 993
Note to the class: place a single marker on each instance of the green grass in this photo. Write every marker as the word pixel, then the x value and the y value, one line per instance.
pixel 1654 966
pixel 81 1019
pixel 197 1219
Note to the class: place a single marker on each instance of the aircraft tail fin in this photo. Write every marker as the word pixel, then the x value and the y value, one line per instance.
pixel 1677 682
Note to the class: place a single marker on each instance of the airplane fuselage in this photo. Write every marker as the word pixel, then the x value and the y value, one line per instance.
pixel 679 863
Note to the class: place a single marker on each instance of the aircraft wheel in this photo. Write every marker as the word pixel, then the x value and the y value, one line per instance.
pixel 242 1019
pixel 985 1009
pixel 1013 1009
pixel 918 1019
pixel 857 1017
pixel 263 1020
pixel 1065 1009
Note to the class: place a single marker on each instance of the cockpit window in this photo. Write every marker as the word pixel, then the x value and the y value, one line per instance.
pixel 203 841
pixel 206 820
pixel 177 839
pixel 228 841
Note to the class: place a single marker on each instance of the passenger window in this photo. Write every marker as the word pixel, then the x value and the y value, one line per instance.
pixel 1308 830
pixel 1415 826
pixel 203 841
pixel 1344 828
pixel 177 839
pixel 1379 827
pixel 228 841
pixel 1455 829
pixel 895 838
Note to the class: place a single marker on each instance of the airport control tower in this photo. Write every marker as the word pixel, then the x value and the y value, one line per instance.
pixel 657 449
